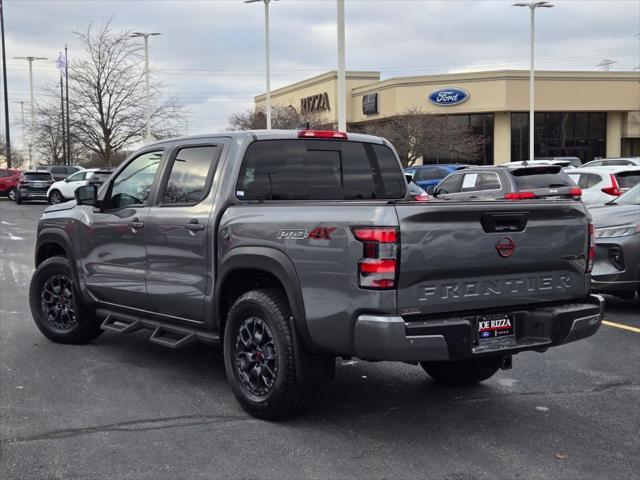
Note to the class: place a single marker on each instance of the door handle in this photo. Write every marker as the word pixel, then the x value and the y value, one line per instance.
pixel 193 225
pixel 135 224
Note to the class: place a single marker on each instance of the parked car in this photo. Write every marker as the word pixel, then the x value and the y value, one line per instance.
pixel 602 184
pixel 59 172
pixel 8 182
pixel 33 185
pixel 614 162
pixel 417 193
pixel 509 182
pixel 617 229
pixel 573 162
pixel 64 190
pixel 284 247
pixel 429 175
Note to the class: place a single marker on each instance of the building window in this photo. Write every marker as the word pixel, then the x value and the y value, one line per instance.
pixel 560 134
pixel 480 124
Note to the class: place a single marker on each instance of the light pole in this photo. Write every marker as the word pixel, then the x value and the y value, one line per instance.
pixel 6 92
pixel 32 101
pixel 147 112
pixel 532 7
pixel 267 55
pixel 342 100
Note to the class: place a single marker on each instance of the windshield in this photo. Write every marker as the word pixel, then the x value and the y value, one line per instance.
pixel 632 197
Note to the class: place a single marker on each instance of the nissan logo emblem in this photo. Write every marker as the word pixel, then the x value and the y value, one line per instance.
pixel 505 247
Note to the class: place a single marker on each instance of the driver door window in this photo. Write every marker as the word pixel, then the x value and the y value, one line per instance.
pixel 133 185
pixel 450 185
pixel 77 177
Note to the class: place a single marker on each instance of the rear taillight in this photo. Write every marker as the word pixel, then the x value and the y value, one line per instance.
pixel 614 189
pixel 378 266
pixel 591 254
pixel 23 183
pixel 519 195
pixel 322 134
pixel 575 192
pixel 423 197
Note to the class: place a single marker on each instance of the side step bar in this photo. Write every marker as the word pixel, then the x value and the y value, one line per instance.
pixel 167 335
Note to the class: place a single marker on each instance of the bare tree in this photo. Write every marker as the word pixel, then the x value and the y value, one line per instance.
pixel 47 134
pixel 107 96
pixel 284 118
pixel 417 135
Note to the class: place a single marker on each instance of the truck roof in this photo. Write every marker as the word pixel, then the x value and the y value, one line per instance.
pixel 270 135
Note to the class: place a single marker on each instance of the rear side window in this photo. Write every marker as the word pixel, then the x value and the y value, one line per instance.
pixel 188 183
pixel 529 179
pixel 628 179
pixel 585 180
pixel 37 177
pixel 5 173
pixel 319 170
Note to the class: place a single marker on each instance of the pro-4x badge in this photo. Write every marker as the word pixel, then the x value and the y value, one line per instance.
pixel 318 233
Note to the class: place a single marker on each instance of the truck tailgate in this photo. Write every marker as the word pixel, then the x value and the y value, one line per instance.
pixel 490 255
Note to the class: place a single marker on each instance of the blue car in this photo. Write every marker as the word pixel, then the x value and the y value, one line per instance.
pixel 430 175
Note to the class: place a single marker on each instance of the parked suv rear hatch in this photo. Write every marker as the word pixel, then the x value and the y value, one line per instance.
pixel 490 255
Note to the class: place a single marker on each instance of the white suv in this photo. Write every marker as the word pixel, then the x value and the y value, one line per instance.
pixel 603 184
pixel 65 189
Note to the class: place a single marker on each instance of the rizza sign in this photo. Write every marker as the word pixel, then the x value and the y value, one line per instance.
pixel 447 97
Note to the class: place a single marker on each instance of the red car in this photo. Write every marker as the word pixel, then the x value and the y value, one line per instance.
pixel 8 182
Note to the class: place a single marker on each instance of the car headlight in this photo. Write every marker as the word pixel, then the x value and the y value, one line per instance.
pixel 617 231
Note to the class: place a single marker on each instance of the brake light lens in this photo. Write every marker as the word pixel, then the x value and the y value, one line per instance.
pixel 591 254
pixel 575 192
pixel 378 266
pixel 519 195
pixel 423 197
pixel 614 189
pixel 322 134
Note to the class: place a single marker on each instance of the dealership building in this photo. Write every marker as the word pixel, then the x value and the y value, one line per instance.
pixel 582 114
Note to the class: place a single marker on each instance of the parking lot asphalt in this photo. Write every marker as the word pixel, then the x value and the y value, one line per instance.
pixel 123 408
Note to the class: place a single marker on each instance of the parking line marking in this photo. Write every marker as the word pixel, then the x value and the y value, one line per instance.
pixel 622 326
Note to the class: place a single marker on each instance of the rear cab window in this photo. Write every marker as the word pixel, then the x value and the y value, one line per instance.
pixel 319 170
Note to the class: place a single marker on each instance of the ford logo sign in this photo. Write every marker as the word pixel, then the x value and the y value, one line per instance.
pixel 449 96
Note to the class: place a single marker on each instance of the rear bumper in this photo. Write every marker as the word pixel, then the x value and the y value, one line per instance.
pixel 453 338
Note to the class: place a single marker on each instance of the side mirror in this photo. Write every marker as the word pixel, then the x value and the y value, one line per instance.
pixel 432 191
pixel 87 195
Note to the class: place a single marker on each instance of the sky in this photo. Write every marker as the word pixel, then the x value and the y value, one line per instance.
pixel 211 53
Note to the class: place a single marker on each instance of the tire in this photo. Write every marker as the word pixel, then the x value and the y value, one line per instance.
pixel 70 321
pixel 12 194
pixel 464 372
pixel 55 197
pixel 273 392
pixel 17 198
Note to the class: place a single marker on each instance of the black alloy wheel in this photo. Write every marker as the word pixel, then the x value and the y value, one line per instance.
pixel 55 197
pixel 256 356
pixel 56 302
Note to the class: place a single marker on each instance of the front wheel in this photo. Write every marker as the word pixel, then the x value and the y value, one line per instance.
pixel 55 197
pixel 12 194
pixel 464 372
pixel 17 198
pixel 259 358
pixel 57 308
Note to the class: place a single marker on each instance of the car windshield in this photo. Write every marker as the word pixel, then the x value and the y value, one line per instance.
pixel 37 177
pixel 632 197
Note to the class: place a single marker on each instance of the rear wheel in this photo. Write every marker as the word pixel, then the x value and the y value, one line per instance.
pixel 259 358
pixel 17 198
pixel 462 372
pixel 57 307
pixel 55 197
pixel 12 194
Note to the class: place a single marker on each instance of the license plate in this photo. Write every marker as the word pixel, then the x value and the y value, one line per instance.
pixel 38 185
pixel 495 326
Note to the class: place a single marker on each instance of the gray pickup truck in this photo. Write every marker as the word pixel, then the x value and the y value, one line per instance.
pixel 294 248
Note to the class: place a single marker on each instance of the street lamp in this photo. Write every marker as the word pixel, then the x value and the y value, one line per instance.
pixel 342 98
pixel 147 113
pixel 532 7
pixel 267 61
